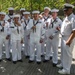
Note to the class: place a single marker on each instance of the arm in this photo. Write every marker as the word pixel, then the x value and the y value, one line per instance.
pixel 42 34
pixel 8 31
pixel 22 34
pixel 57 28
pixel 72 36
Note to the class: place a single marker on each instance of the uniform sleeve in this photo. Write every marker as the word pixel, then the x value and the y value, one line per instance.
pixel 73 24
pixel 42 32
pixel 8 28
pixel 59 25
pixel 30 25
pixel 22 33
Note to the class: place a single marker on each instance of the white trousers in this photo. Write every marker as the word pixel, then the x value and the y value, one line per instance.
pixel 16 50
pixel 7 50
pixel 43 47
pixel 27 46
pixel 32 51
pixel 52 45
pixel 66 54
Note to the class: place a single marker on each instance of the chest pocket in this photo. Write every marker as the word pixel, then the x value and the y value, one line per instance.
pixel 68 25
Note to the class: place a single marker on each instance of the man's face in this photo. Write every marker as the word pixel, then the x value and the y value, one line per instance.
pixel 35 16
pixel 54 14
pixel 11 12
pixel 26 15
pixel 16 19
pixel 46 12
pixel 2 17
pixel 68 11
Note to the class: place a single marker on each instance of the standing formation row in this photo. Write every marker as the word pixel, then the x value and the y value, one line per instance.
pixel 35 32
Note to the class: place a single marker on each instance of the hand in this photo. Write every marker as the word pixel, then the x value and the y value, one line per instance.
pixel 18 23
pixel 58 28
pixel 9 20
pixel 47 24
pixel 7 37
pixel 22 41
pixel 51 37
pixel 34 27
pixel 41 40
pixel 68 43
pixel 3 24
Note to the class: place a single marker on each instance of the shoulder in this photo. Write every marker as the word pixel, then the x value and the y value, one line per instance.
pixel 40 21
pixel 12 24
pixel 6 22
pixel 73 18
pixel 59 19
pixel 30 20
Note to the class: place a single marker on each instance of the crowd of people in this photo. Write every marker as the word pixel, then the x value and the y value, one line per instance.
pixel 37 31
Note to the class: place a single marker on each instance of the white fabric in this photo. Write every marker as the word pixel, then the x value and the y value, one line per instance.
pixel 26 12
pixel 26 37
pixel 53 43
pixel 47 8
pixel 54 10
pixel 16 50
pixel 68 26
pixel 14 34
pixel 35 40
pixel 3 36
pixel 68 5
pixel 34 12
pixel 11 8
pixel 46 30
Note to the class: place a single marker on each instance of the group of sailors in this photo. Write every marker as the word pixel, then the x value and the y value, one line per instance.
pixel 35 32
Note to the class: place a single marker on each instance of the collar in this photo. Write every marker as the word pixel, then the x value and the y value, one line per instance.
pixel 70 16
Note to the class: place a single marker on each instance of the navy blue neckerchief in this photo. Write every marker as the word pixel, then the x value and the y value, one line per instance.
pixel 35 24
pixel 52 23
pixel 2 30
pixel 17 28
pixel 45 19
pixel 26 23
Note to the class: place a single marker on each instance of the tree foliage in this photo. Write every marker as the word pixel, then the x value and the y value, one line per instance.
pixel 32 4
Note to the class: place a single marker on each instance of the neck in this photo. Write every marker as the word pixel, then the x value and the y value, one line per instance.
pixel 69 14
pixel 26 18
pixel 35 18
pixel 54 17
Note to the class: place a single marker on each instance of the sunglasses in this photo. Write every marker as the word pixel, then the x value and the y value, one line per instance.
pixel 66 10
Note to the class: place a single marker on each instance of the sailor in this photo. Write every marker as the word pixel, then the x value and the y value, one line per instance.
pixel 21 12
pixel 17 35
pixel 10 13
pixel 67 41
pixel 46 21
pixel 26 21
pixel 53 37
pixel 4 35
pixel 36 37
